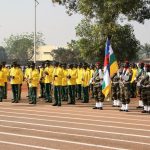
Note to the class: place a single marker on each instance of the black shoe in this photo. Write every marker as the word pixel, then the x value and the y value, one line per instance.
pixel 101 108
pixel 121 110
pixel 144 111
pixel 13 101
pixel 126 110
pixel 55 104
pixel 59 104
pixel 41 96
pixel 114 106
pixel 31 102
pixel 95 108
pixel 139 107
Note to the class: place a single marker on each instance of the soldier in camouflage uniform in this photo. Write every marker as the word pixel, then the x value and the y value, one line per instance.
pixel 115 90
pixel 125 89
pixel 145 93
pixel 97 85
pixel 140 76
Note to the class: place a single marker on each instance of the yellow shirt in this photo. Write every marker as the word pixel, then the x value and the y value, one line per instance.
pixel 134 75
pixel 64 79
pixel 21 76
pixel 6 73
pixel 34 78
pixel 79 76
pixel 42 75
pixel 85 78
pixel 73 74
pixel 27 71
pixel 2 76
pixel 15 72
pixel 58 71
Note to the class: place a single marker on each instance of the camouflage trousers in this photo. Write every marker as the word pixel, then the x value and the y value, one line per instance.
pixel 115 92
pixel 98 95
pixel 145 94
pixel 125 94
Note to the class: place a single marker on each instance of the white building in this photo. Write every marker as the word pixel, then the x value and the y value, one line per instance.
pixel 43 53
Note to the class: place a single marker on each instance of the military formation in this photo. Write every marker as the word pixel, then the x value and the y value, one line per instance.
pixel 59 82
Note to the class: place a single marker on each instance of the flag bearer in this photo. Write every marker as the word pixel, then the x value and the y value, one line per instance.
pixel 97 84
pixel 115 90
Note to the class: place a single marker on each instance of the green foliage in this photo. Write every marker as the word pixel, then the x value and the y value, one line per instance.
pixel 144 51
pixel 66 55
pixel 20 47
pixel 3 56
pixel 92 38
pixel 109 10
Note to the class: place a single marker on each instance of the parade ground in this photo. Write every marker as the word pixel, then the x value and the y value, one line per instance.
pixel 71 127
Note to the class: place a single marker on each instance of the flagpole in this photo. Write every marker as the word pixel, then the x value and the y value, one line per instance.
pixel 35 6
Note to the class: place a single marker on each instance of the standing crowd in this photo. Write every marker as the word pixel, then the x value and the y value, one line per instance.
pixel 71 82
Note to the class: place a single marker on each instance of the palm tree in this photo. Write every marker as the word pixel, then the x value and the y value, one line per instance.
pixel 145 51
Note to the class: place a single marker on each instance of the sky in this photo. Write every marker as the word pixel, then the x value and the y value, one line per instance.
pixel 17 16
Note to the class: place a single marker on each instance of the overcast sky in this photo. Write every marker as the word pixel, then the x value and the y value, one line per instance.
pixel 17 16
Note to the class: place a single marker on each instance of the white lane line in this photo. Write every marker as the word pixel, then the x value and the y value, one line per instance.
pixel 63 141
pixel 78 129
pixel 75 114
pixel 26 145
pixel 76 123
pixel 78 135
pixel 70 109
pixel 8 112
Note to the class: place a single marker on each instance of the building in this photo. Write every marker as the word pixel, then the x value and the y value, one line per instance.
pixel 44 53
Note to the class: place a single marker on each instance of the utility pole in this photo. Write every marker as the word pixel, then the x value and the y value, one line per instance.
pixel 35 5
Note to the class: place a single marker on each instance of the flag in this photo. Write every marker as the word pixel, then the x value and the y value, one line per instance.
pixel 106 85
pixel 110 68
pixel 113 62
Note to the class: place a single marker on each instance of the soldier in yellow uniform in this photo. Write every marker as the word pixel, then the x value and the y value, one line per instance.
pixel 64 83
pixel 20 81
pixel 92 70
pixel 14 81
pixel 57 82
pixel 133 81
pixel 6 75
pixel 42 85
pixel 85 83
pixel 48 71
pixel 2 76
pixel 33 83
pixel 72 76
pixel 79 81
pixel 26 76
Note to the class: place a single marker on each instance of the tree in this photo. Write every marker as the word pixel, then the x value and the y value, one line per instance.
pixel 66 55
pixel 92 37
pixel 20 47
pixel 144 51
pixel 109 10
pixel 3 56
